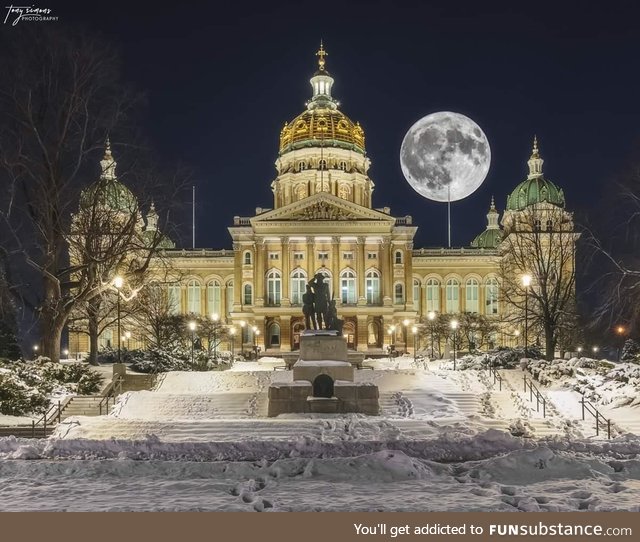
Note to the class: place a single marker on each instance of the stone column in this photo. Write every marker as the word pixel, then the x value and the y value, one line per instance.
pixel 237 279
pixel 335 267
pixel 259 273
pixel 311 262
pixel 286 273
pixel 360 270
pixel 183 300
pixel 387 272
pixel 408 276
pixel 362 333
pixel 285 333
pixel 223 299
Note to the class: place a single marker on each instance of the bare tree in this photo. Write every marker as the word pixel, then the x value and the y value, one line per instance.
pixel 59 98
pixel 540 241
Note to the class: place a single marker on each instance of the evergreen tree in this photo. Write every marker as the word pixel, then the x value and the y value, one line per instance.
pixel 630 351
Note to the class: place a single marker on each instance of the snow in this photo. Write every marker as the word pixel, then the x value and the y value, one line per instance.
pixel 445 440
pixel 322 363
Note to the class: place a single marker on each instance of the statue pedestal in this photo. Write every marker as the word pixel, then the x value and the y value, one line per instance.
pixel 323 345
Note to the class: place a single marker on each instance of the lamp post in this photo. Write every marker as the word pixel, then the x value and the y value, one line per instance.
pixel 243 324
pixel 118 283
pixel 35 351
pixel 192 327
pixel 392 340
pixel 127 335
pixel 255 341
pixel 232 332
pixel 215 317
pixel 579 349
pixel 620 331
pixel 257 347
pixel 405 327
pixel 66 353
pixel 595 351
pixel 454 327
pixel 517 334
pixel 414 330
pixel 432 316
pixel 526 282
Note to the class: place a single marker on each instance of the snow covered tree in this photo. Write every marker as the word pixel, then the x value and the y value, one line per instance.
pixel 630 351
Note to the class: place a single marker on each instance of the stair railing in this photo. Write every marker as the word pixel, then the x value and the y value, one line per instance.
pixel 535 392
pixel 589 407
pixel 496 376
pixel 110 393
pixel 52 414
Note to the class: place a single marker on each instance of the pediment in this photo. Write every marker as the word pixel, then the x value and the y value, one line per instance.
pixel 322 208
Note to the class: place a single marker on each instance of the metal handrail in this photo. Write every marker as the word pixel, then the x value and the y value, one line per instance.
pixel 496 376
pixel 110 393
pixel 591 409
pixel 53 412
pixel 535 392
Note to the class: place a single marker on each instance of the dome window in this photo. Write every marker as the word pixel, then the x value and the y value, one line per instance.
pixel 537 225
pixel 322 165
pixel 549 225
pixel 342 166
pixel 301 166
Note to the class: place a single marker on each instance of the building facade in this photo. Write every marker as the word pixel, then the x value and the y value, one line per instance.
pixel 323 221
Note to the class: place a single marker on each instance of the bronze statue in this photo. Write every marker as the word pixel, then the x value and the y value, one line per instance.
pixel 320 300
pixel 333 322
pixel 308 309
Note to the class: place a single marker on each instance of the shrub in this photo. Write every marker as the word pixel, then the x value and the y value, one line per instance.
pixel 18 399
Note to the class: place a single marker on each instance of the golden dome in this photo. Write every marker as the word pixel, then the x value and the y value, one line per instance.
pixel 322 124
pixel 327 127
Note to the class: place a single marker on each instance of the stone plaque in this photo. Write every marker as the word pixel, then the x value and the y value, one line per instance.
pixel 323 347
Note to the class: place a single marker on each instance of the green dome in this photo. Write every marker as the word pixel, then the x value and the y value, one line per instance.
pixel 111 194
pixel 164 243
pixel 489 238
pixel 532 191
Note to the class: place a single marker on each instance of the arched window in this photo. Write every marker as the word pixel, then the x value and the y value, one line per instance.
pixel 194 305
pixel 549 225
pixel 229 297
pixel 372 284
pixel 343 166
pixel 298 286
pixel 274 287
pixel 322 164
pixel 248 294
pixel 537 225
pixel 472 291
pixel 274 334
pixel 452 296
pixel 173 298
pixel 373 334
pixel 398 256
pixel 433 295
pixel 247 258
pixel 348 287
pixel 491 291
pixel 213 297
pixel 302 166
pixel 416 295
pixel 398 291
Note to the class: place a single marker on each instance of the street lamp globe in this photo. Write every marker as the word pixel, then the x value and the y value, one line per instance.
pixel 526 280
pixel 454 324
pixel 192 326
pixel 579 349
pixel 414 329
pixel 215 316
pixel 431 316
pixel 118 282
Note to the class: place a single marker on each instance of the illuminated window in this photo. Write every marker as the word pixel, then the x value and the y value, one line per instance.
pixel 433 295
pixel 213 297
pixel 471 290
pixel 452 296
pixel 193 297
pixel 372 283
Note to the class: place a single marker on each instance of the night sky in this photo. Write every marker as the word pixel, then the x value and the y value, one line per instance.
pixel 222 80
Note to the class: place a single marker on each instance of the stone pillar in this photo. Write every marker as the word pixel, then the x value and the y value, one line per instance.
pixel 259 273
pixel 360 270
pixel 203 300
pixel 335 268
pixel 237 279
pixel 408 276
pixel 285 333
pixel 183 300
pixel 223 300
pixel 260 341
pixel 387 272
pixel 362 333
pixel 311 261
pixel 286 274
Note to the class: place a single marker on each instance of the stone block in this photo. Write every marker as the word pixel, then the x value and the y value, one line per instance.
pixel 308 370
pixel 323 347
pixel 323 405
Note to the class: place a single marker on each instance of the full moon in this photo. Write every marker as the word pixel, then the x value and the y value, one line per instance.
pixel 445 156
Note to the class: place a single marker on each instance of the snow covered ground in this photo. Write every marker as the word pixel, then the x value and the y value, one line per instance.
pixel 445 440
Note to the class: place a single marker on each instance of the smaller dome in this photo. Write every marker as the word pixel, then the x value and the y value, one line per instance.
pixel 535 189
pixel 487 239
pixel 532 191
pixel 108 191
pixel 111 194
pixel 165 242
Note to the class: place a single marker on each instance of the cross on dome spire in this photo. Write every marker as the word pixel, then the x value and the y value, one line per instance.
pixel 321 54
pixel 535 162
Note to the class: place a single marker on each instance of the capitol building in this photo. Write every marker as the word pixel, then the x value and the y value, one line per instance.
pixel 323 220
